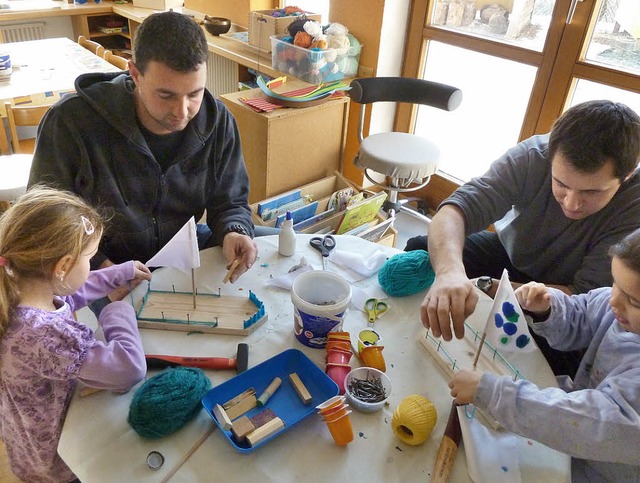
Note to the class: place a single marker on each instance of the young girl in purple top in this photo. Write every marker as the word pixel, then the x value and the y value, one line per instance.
pixel 46 241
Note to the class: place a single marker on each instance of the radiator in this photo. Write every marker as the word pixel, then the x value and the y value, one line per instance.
pixel 22 31
pixel 222 75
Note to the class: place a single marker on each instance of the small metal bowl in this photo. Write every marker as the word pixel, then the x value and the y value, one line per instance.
pixel 216 25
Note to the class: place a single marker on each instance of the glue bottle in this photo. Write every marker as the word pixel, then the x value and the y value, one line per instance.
pixel 287 237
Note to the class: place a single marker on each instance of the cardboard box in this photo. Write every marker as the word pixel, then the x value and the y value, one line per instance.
pixel 314 66
pixel 235 10
pixel 262 26
pixel 287 147
pixel 321 191
pixel 158 4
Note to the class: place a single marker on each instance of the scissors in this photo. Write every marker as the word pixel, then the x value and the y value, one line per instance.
pixel 324 245
pixel 375 309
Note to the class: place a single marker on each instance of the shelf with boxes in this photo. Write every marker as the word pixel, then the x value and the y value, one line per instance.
pixel 288 147
pixel 320 207
pixel 113 31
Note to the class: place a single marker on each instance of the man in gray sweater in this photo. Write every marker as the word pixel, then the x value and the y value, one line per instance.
pixel 557 202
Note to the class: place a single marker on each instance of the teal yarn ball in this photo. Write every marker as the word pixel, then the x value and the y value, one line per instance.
pixel 406 273
pixel 168 401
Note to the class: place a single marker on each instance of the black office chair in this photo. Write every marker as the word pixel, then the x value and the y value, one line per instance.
pixel 406 160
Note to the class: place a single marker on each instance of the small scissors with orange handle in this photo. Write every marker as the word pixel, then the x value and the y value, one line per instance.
pixel 375 309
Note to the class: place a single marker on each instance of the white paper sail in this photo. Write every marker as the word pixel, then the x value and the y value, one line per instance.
pixel 506 327
pixel 181 251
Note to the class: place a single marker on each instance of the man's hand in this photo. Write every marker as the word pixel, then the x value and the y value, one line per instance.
pixel 449 301
pixel 464 385
pixel 242 247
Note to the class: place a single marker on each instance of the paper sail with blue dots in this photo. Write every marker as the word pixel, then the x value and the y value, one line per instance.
pixel 507 328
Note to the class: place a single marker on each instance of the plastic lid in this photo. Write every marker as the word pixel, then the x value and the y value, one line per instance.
pixel 288 215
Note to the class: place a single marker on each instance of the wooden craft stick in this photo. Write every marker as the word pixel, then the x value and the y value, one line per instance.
pixel 188 454
pixel 242 407
pixel 222 417
pixel 300 388
pixel 232 269
pixel 232 402
pixel 264 431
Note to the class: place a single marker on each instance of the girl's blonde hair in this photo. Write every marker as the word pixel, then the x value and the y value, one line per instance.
pixel 42 226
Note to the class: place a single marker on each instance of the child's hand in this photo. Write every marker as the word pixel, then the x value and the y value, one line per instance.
pixel 463 386
pixel 534 297
pixel 141 272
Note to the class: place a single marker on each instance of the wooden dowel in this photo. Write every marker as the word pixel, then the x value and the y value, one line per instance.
pixel 187 455
pixel 232 269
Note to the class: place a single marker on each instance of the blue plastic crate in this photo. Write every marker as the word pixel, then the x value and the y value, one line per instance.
pixel 285 402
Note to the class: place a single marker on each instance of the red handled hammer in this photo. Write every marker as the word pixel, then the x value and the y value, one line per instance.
pixel 240 362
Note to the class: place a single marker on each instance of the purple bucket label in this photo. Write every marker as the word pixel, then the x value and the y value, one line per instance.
pixel 312 330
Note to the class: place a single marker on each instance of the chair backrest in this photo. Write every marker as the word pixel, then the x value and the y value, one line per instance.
pixel 120 62
pixel 23 116
pixel 90 45
pixel 403 89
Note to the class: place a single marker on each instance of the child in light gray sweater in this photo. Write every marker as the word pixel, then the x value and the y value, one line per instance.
pixel 596 417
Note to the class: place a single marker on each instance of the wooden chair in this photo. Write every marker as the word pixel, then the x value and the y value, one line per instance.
pixel 23 116
pixel 92 46
pixel 120 62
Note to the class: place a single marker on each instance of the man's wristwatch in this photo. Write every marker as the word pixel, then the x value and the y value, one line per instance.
pixel 237 228
pixel 484 283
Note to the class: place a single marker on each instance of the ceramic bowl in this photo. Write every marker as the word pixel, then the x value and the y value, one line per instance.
pixel 370 374
pixel 216 25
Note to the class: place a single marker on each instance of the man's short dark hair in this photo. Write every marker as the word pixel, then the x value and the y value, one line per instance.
pixel 593 132
pixel 171 38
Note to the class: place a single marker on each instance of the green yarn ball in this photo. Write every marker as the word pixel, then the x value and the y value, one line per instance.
pixel 168 401
pixel 406 273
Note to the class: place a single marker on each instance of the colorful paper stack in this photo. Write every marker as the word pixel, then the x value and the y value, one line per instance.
pixel 336 415
pixel 338 356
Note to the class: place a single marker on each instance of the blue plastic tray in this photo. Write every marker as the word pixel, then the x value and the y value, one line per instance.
pixel 285 402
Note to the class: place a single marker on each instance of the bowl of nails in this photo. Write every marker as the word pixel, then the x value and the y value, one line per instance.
pixel 367 389
pixel 216 25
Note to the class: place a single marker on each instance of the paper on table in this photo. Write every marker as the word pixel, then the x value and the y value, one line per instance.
pixel 286 281
pixel 491 455
pixel 359 296
pixel 366 264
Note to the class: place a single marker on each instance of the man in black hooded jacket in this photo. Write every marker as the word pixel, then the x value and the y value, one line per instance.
pixel 153 146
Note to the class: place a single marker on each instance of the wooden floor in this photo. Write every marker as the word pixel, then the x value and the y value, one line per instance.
pixel 6 476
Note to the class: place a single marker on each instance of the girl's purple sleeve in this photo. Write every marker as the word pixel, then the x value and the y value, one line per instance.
pixel 102 282
pixel 117 364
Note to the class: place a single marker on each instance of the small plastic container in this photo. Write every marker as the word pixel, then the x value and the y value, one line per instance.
pixel 341 429
pixel 370 374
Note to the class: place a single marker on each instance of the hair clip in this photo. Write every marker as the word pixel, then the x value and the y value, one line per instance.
pixel 3 262
pixel 87 225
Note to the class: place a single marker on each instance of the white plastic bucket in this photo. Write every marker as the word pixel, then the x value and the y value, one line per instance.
pixel 320 301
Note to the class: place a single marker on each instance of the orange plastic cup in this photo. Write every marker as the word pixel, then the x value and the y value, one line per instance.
pixel 335 413
pixel 339 336
pixel 338 344
pixel 341 429
pixel 338 356
pixel 331 403
pixel 371 356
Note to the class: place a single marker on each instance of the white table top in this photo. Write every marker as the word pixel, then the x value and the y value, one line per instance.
pixel 99 445
pixel 14 175
pixel 44 69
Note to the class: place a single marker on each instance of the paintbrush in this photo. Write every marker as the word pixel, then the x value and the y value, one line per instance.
pixel 448 447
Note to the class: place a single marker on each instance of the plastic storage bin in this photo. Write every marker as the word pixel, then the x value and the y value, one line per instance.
pixel 314 66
